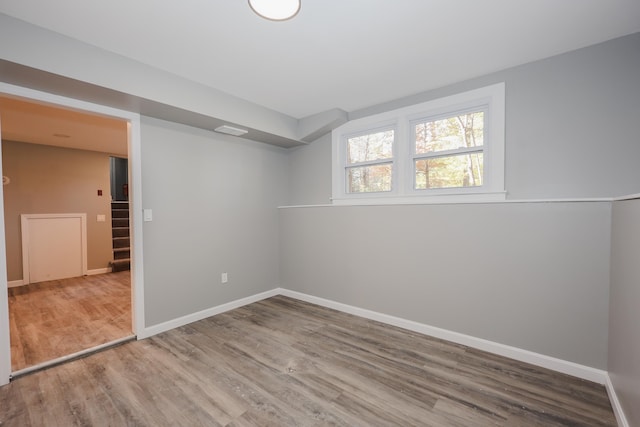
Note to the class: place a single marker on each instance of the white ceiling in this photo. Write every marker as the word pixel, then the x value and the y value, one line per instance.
pixel 346 54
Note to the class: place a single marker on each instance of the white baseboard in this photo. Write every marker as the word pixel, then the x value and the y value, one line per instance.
pixel 181 321
pixel 98 271
pixel 15 283
pixel 570 368
pixel 585 372
pixel 615 404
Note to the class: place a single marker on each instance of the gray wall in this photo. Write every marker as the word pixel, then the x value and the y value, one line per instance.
pixel 310 181
pixel 570 126
pixel 624 312
pixel 539 278
pixel 214 200
pixel 533 276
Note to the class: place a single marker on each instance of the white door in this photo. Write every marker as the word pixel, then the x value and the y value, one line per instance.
pixel 53 246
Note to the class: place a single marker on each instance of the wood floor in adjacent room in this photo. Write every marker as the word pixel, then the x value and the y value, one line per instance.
pixel 282 362
pixel 53 319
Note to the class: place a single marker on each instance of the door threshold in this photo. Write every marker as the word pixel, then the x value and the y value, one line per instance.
pixel 70 357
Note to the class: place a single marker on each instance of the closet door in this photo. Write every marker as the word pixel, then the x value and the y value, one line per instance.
pixel 53 246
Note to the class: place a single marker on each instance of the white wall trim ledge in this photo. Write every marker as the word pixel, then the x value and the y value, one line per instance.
pixel 203 314
pixel 615 404
pixel 585 372
pixel 437 201
pixel 629 197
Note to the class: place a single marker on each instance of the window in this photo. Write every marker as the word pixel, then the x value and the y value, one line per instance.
pixel 452 148
pixel 448 152
pixel 370 162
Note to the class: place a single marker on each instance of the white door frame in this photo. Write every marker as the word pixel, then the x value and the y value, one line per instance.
pixel 135 194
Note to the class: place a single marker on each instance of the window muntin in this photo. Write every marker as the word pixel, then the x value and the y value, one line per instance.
pixel 369 162
pixel 448 151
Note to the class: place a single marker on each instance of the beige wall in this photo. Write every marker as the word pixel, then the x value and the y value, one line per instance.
pixel 55 180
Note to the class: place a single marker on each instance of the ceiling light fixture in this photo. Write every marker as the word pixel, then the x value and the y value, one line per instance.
pixel 230 130
pixel 275 10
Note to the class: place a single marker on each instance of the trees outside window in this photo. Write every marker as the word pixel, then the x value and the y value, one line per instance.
pixel 448 152
pixel 370 162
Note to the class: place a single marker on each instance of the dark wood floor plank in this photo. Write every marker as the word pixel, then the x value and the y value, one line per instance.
pixel 282 362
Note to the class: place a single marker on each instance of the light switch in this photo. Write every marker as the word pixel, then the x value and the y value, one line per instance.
pixel 146 215
pixel 101 218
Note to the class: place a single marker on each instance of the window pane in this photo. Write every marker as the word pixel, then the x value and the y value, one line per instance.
pixel 462 131
pixel 374 146
pixel 463 170
pixel 369 179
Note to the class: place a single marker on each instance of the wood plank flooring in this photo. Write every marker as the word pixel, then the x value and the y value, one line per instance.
pixel 60 317
pixel 282 362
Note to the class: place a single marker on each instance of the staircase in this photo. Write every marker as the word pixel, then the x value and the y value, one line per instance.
pixel 120 234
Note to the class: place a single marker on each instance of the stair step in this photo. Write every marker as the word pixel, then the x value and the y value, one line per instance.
pixel 119 213
pixel 119 222
pixel 120 264
pixel 120 232
pixel 121 242
pixel 117 255
pixel 121 236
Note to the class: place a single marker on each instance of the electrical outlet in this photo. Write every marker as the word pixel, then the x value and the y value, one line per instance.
pixel 224 278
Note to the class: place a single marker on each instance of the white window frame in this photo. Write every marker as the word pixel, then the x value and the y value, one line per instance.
pixel 490 99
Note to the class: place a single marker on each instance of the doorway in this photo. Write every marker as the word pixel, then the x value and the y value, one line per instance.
pixel 119 171
pixel 133 139
pixel 121 233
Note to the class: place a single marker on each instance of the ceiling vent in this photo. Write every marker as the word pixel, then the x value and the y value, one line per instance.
pixel 230 130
